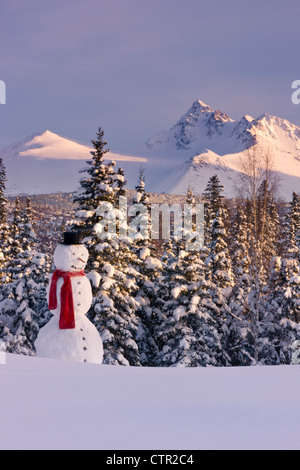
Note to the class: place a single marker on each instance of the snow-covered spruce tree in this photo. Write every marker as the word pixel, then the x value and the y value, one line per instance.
pixel 219 259
pixel 140 232
pixel 265 250
pixel 240 247
pixel 120 183
pixel 23 309
pixel 213 200
pixel 165 277
pixel 111 267
pixel 29 239
pixel 13 242
pixel 290 269
pixel 36 263
pixel 186 333
pixel 148 266
pixel 139 218
pixel 295 217
pixel 240 347
pixel 97 186
pixel 267 229
pixel 286 296
pixel 222 278
pixel 280 328
pixel 258 181
pixel 114 314
pixel 257 186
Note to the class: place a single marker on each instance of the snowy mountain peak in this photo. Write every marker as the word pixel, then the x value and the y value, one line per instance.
pixel 47 144
pixel 47 135
pixel 248 118
pixel 199 111
pixel 198 123
pixel 200 105
pixel 204 142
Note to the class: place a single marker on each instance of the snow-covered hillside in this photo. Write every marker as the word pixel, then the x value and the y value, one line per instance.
pixel 47 404
pixel 46 162
pixel 205 142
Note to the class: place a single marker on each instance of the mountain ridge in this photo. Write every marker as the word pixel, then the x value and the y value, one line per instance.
pixel 45 162
pixel 204 142
pixel 201 143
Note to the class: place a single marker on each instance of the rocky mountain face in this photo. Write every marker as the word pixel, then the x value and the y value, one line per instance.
pixel 204 142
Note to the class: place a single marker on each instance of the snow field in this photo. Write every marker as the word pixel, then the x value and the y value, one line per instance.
pixel 49 404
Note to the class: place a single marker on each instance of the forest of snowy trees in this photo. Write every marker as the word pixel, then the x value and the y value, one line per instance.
pixel 233 301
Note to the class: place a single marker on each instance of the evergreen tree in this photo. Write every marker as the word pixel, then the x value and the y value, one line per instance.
pixel 14 242
pixel 240 344
pixel 23 309
pixel 240 247
pixel 219 257
pixel 96 188
pixel 268 229
pixel 213 200
pixel 280 328
pixel 263 235
pixel 139 218
pixel 290 268
pixel 29 238
pixel 185 331
pixel 121 182
pixel 222 279
pixel 111 264
pixel 295 217
pixel 148 266
pixel 114 314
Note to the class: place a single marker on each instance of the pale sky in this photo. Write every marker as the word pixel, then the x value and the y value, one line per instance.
pixel 134 67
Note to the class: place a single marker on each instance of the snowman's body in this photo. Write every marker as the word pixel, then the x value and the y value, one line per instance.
pixel 83 342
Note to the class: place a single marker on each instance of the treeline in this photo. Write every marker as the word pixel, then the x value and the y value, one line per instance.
pixel 233 301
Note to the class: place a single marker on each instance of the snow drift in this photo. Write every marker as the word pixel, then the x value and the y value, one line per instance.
pixel 48 404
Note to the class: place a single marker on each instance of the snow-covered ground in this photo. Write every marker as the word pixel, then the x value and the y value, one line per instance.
pixel 47 404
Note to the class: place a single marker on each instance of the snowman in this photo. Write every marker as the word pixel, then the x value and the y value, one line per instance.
pixel 69 335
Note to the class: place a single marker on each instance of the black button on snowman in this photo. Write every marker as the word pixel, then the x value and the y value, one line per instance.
pixel 69 335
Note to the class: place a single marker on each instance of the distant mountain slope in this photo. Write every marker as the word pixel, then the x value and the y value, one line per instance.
pixel 205 142
pixel 46 162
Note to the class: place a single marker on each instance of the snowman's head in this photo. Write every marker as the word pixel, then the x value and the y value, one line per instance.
pixel 70 258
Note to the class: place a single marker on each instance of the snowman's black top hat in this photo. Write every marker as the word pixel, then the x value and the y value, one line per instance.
pixel 71 238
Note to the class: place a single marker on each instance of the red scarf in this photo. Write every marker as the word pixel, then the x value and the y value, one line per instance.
pixel 66 319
